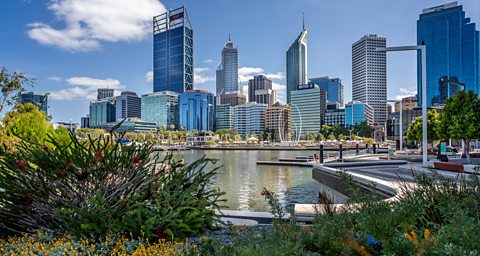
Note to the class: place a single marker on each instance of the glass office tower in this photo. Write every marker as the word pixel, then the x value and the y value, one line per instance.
pixel 197 110
pixel 333 86
pixel 227 72
pixel 161 108
pixel 297 63
pixel 38 99
pixel 172 52
pixel 452 44
pixel 127 105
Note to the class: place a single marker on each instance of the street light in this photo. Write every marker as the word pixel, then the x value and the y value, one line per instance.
pixel 423 50
pixel 401 123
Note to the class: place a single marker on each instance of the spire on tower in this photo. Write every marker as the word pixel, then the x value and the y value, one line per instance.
pixel 303 20
pixel 229 37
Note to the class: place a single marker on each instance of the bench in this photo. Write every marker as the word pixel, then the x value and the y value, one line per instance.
pixel 449 166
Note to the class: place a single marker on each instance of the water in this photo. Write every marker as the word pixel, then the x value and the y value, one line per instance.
pixel 243 180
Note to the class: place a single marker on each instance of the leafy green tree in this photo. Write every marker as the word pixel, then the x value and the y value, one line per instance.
pixel 28 122
pixel 331 137
pixel 310 136
pixel 414 131
pixel 325 130
pixel 363 130
pixel 171 127
pixel 341 137
pixel 460 119
pixel 10 85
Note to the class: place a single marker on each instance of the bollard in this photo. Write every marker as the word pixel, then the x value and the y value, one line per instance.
pixel 340 149
pixel 374 147
pixel 357 150
pixel 321 153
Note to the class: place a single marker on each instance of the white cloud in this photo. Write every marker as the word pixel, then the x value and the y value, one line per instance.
pixel 55 79
pixel 84 88
pixel 149 76
pixel 208 61
pixel 278 76
pixel 406 92
pixel 247 73
pixel 200 77
pixel 88 23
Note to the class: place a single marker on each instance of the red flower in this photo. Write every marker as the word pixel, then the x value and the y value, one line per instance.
pixel 98 154
pixel 136 160
pixel 21 164
pixel 44 148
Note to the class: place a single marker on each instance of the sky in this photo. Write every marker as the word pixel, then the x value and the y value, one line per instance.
pixel 73 47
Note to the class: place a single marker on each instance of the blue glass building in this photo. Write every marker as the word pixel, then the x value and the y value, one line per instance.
pixel 452 44
pixel 172 52
pixel 333 87
pixel 102 112
pixel 197 110
pixel 38 99
pixel 357 112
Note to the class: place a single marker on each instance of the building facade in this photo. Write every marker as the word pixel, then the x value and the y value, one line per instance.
pixel 408 103
pixel 102 112
pixel 335 117
pixel 160 108
pixel 260 90
pixel 104 93
pixel 309 103
pixel 172 51
pixel 232 99
pixel 197 110
pixel 297 63
pixel 227 71
pixel 453 57
pixel 357 112
pixel 369 75
pixel 36 98
pixel 223 117
pixel 128 105
pixel 85 121
pixel 333 87
pixel 130 125
pixel 278 118
pixel 249 118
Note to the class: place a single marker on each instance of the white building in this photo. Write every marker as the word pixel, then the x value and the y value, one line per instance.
pixel 369 75
pixel 249 118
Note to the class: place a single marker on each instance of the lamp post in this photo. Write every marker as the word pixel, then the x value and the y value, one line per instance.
pixel 423 51
pixel 401 123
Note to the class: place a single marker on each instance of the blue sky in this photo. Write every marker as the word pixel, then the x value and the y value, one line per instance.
pixel 73 47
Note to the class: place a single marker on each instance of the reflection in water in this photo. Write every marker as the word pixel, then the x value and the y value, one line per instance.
pixel 243 180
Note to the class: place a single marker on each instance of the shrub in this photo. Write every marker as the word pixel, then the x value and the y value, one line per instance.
pixel 94 187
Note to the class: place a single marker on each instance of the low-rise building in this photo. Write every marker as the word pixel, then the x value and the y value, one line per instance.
pixel 223 117
pixel 249 118
pixel 335 117
pixel 357 112
pixel 278 118
pixel 233 99
pixel 160 108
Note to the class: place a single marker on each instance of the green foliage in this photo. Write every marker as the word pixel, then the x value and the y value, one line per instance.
pixel 89 132
pixel 10 85
pixel 310 136
pixel 95 187
pixel 414 132
pixel 341 137
pixel 331 137
pixel 320 137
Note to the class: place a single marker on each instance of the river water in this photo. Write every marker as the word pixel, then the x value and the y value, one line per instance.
pixel 243 180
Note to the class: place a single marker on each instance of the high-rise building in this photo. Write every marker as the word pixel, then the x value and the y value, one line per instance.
pixel 408 103
pixel 333 87
pixel 249 118
pixel 309 103
pixel 453 54
pixel 335 117
pixel 128 105
pixel 278 118
pixel 102 112
pixel 357 112
pixel 369 75
pixel 104 93
pixel 172 51
pixel 232 99
pixel 297 63
pixel 260 90
pixel 227 71
pixel 223 117
pixel 197 110
pixel 160 108
pixel 36 98
pixel 85 121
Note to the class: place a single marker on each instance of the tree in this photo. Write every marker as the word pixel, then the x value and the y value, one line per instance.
pixel 341 137
pixel 10 85
pixel 414 131
pixel 310 136
pixel 460 119
pixel 27 122
pixel 320 137
pixel 171 127
pixel 363 129
pixel 325 130
pixel 331 137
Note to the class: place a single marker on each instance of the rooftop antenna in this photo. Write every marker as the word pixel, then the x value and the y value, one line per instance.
pixel 303 20
pixel 229 37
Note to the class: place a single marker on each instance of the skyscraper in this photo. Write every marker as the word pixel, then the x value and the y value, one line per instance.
pixel 104 93
pixel 309 103
pixel 172 52
pixel 260 90
pixel 197 110
pixel 38 99
pixel 127 105
pixel 297 63
pixel 223 117
pixel 333 86
pixel 453 54
pixel 227 71
pixel 102 112
pixel 369 75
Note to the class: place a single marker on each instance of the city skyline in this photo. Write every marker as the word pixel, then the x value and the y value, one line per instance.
pixel 121 62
